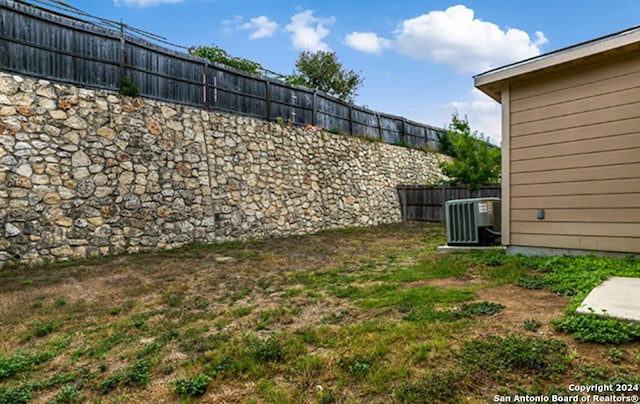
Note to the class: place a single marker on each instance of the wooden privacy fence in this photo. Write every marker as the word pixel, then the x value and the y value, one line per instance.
pixel 424 202
pixel 49 45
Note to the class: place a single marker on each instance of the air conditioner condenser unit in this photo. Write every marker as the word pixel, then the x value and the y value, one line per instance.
pixel 472 222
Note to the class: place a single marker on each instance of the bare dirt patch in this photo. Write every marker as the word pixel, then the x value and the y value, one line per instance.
pixel 523 304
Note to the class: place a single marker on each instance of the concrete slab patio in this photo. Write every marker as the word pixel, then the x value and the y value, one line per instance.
pixel 617 297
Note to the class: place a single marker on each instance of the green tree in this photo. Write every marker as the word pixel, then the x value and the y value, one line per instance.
pixel 446 142
pixel 475 161
pixel 322 71
pixel 218 55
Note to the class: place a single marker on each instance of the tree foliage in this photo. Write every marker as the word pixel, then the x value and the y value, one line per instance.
pixel 322 71
pixel 217 55
pixel 475 161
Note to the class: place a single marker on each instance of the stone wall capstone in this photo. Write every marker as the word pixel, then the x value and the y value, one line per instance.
pixel 87 172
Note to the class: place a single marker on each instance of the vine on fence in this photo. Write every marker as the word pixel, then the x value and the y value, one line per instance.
pixel 218 55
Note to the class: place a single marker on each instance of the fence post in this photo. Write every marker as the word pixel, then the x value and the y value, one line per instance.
pixel 205 90
pixel 215 92
pixel 403 196
pixel 121 67
pixel 444 204
pixel 351 121
pixel 314 107
pixel 294 98
pixel 268 99
pixel 379 126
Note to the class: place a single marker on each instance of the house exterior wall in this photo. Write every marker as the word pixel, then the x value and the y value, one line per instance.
pixel 574 151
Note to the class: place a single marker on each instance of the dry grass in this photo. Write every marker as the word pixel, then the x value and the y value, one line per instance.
pixel 354 315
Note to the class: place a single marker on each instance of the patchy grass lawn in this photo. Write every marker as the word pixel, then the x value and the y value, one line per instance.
pixel 345 316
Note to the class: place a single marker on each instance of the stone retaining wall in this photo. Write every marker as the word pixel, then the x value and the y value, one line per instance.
pixel 87 172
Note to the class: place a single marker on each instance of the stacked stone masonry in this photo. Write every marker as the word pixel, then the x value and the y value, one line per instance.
pixel 87 172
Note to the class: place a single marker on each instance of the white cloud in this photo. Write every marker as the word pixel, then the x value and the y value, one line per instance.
pixel 143 3
pixel 307 31
pixel 236 20
pixel 367 42
pixel 484 114
pixel 262 27
pixel 456 38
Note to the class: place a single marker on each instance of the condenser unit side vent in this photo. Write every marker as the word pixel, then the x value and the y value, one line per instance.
pixel 473 221
pixel 463 223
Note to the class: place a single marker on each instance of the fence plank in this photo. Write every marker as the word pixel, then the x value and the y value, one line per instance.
pixel 163 76
pixel 391 129
pixel 365 123
pixel 332 115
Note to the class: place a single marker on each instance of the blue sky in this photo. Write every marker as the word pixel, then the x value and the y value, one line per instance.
pixel 417 57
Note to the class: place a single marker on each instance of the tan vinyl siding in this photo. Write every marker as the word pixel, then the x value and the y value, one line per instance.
pixel 610 142
pixel 596 215
pixel 576 228
pixel 582 158
pixel 572 242
pixel 575 152
pixel 578 74
pixel 605 130
pixel 614 186
pixel 578 93
pixel 579 106
pixel 592 201
pixel 577 119
pixel 609 172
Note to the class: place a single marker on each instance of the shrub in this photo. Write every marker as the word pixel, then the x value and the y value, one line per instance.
pixel 219 55
pixel 128 88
